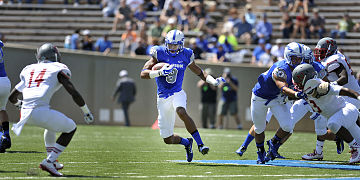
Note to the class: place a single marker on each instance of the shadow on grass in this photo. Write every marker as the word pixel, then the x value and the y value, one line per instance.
pixel 25 152
pixel 212 164
pixel 2 171
pixel 81 176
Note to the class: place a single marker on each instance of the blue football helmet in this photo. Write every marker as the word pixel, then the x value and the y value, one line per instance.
pixel 294 54
pixel 308 54
pixel 174 42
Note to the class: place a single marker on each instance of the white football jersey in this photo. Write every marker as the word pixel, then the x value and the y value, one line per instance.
pixel 333 62
pixel 39 82
pixel 328 104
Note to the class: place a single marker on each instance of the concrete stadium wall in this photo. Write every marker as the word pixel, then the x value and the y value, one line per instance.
pixel 95 75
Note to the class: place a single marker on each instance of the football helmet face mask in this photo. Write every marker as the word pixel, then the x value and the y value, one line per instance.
pixel 294 54
pixel 308 55
pixel 325 48
pixel 48 52
pixel 302 74
pixel 174 42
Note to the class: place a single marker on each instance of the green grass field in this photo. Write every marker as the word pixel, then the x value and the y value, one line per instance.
pixel 111 152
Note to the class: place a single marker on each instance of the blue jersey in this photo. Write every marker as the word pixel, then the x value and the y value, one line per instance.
pixel 2 69
pixel 168 85
pixel 317 66
pixel 266 87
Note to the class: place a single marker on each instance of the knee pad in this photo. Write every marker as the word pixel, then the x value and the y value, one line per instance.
pixel 334 127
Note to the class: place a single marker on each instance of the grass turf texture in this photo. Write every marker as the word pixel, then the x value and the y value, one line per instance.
pixel 106 152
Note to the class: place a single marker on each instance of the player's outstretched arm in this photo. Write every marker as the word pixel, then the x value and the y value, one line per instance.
pixel 78 99
pixel 205 77
pixel 349 92
pixel 279 77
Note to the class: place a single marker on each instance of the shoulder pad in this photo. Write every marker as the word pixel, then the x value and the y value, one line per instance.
pixel 280 73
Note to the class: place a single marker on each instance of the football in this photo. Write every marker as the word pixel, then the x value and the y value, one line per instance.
pixel 158 66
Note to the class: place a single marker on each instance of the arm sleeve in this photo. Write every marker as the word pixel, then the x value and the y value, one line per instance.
pixel 334 89
pixel 332 66
pixel 21 85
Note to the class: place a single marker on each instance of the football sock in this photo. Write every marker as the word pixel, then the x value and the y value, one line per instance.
pixel 260 147
pixel 184 142
pixel 196 136
pixel 276 139
pixel 248 140
pixel 56 151
pixel 49 139
pixel 319 146
pixel 354 144
pixel 5 126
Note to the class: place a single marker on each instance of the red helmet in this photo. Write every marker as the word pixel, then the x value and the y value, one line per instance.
pixel 325 48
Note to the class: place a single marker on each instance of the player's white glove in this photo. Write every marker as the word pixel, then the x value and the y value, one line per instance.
pixel 88 117
pixel 166 70
pixel 18 104
pixel 215 82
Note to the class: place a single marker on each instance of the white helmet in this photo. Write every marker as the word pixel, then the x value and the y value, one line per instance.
pixel 294 50
pixel 308 54
pixel 176 40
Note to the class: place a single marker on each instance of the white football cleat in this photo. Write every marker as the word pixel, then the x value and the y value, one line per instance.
pixel 313 156
pixel 355 155
pixel 50 168
pixel 58 166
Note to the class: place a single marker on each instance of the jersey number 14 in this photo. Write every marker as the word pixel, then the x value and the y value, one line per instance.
pixel 38 79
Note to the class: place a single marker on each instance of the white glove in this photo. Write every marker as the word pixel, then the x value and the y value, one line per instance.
pixel 166 70
pixel 18 104
pixel 88 117
pixel 214 82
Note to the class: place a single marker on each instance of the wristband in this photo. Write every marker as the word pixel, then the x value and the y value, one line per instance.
pixel 211 80
pixel 154 74
pixel 281 89
pixel 18 103
pixel 85 109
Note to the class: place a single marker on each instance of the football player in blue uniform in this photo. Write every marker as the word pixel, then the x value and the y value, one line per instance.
pixel 171 98
pixel 5 87
pixel 267 95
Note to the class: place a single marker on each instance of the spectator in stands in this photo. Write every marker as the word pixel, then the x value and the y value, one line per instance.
pixel 128 40
pixel 287 25
pixel 227 37
pixel 265 59
pixel 87 42
pixel 233 15
pixel 123 14
pixel 169 12
pixel 67 42
pixel 277 51
pixel 220 54
pixel 203 43
pixel 170 26
pixel 184 18
pixel 134 4
pixel 286 5
pixel 208 101
pixel 75 40
pixel 317 25
pixel 258 51
pixel 155 30
pixel 110 7
pixel 142 47
pixel 154 5
pixel 263 30
pixel 212 49
pixel 199 16
pixel 242 30
pixel 76 3
pixel 196 50
pixel 103 45
pixel 345 25
pixel 140 16
pixel 211 32
pixel 303 3
pixel 249 15
pixel 301 24
pixel 228 100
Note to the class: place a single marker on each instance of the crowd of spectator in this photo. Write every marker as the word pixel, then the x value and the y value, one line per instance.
pixel 228 41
